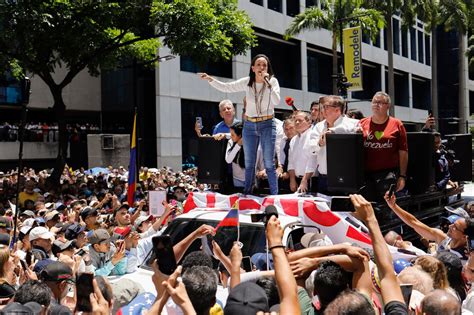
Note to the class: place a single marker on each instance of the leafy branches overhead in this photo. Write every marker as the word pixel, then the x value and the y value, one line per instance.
pixel 204 29
pixel 43 35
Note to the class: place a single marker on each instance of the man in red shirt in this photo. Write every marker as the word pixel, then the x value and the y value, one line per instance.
pixel 386 149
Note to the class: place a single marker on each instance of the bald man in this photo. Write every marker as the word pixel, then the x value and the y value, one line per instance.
pixel 439 302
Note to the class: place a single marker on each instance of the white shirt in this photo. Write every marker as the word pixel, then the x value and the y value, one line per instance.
pixel 342 125
pixel 237 171
pixel 302 154
pixel 266 98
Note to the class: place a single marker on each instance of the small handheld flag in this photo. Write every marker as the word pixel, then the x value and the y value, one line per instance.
pixel 231 219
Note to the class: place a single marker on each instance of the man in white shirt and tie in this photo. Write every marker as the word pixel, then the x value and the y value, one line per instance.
pixel 334 122
pixel 302 159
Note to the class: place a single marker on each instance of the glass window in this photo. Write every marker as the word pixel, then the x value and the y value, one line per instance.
pixel 421 55
pixel 413 43
pixel 285 57
pixel 365 38
pixel 292 7
pixel 396 36
pixel 370 82
pixel 421 93
pixel 428 49
pixel 217 68
pixel 309 3
pixel 319 72
pixel 275 5
pixel 259 2
pixel 385 39
pixel 405 43
pixel 377 40
pixel 190 109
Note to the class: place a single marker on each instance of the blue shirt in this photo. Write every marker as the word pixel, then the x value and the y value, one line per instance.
pixel 222 127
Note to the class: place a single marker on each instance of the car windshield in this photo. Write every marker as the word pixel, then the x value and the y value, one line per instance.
pixel 251 235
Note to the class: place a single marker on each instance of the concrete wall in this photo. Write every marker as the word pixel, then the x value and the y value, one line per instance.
pixel 31 150
pixel 83 93
pixel 119 156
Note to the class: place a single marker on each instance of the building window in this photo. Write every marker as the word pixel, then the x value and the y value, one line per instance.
pixel 421 55
pixel 370 82
pixel 258 2
pixel 319 72
pixel 385 39
pixel 275 5
pixel 428 50
pixel 217 68
pixel 310 3
pixel 421 93
pixel 190 109
pixel 285 57
pixel 405 43
pixel 365 38
pixel 401 88
pixel 396 36
pixel 292 7
pixel 413 43
pixel 377 40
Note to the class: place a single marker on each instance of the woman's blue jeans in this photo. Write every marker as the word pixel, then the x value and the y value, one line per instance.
pixel 263 133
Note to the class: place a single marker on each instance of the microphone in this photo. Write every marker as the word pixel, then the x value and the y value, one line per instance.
pixel 269 212
pixel 267 80
pixel 290 102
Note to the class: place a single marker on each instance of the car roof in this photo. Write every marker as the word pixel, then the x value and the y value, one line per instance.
pixel 244 216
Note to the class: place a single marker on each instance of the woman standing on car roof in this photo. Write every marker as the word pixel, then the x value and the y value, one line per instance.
pixel 262 93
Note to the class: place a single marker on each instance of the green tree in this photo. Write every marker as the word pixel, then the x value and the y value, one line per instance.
pixel 37 37
pixel 329 16
pixel 434 13
pixel 388 8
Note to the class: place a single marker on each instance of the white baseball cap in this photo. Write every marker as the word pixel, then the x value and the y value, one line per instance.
pixel 40 232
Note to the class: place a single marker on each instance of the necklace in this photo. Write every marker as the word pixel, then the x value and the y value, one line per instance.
pixel 258 98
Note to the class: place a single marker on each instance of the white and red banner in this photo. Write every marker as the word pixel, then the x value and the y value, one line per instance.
pixel 311 211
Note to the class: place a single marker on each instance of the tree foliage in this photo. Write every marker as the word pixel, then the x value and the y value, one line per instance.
pixel 38 37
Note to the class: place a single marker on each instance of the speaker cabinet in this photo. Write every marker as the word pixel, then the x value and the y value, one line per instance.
pixel 421 162
pixel 212 166
pixel 345 160
pixel 461 144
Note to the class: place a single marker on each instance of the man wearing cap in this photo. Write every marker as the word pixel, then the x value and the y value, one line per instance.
pixel 454 240
pixel 105 257
pixel 51 218
pixel 41 241
pixel 59 278
pixel 5 225
pixel 75 232
pixel 89 216
pixel 122 216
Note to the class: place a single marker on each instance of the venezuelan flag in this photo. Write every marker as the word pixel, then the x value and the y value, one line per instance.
pixel 132 168
pixel 231 219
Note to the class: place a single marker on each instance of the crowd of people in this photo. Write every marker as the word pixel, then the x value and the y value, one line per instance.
pixel 42 131
pixel 68 249
pixel 87 228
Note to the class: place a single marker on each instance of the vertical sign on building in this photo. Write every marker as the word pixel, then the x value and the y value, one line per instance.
pixel 352 38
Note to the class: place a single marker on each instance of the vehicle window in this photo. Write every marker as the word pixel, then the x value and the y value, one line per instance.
pixel 252 236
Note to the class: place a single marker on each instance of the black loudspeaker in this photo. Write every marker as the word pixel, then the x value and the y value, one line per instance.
pixel 212 167
pixel 461 144
pixel 345 160
pixel 421 162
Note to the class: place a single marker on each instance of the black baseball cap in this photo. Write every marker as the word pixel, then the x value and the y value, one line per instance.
pixel 56 271
pixel 246 298
pixel 73 231
pixel 87 211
